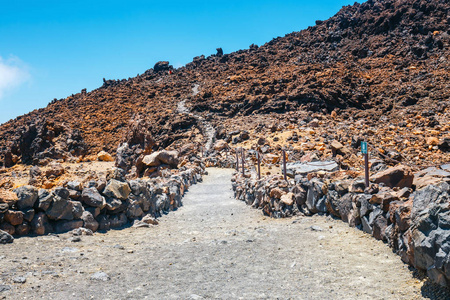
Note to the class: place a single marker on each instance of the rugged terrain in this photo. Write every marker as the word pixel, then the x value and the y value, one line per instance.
pixel 377 70
pixel 127 151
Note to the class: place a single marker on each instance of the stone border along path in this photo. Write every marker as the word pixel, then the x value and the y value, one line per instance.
pixel 213 247
pixel 209 132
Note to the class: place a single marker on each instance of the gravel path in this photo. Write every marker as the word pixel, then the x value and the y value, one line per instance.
pixel 208 130
pixel 213 247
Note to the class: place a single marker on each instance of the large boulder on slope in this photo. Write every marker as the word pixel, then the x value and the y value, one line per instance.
pixel 161 157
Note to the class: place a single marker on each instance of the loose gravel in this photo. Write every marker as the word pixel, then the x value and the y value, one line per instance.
pixel 214 247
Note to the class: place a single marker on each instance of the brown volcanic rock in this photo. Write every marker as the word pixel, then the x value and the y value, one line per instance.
pixel 384 63
pixel 14 217
pixel 399 176
pixel 8 197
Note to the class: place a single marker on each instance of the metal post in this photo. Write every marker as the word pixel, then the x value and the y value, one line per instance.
pixel 284 165
pixel 237 159
pixel 243 161
pixel 259 165
pixel 366 167
pixel 201 150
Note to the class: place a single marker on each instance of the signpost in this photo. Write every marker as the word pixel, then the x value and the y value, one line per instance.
pixel 284 164
pixel 366 162
pixel 243 162
pixel 259 165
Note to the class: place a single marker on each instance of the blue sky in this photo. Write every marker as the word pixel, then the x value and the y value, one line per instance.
pixel 52 49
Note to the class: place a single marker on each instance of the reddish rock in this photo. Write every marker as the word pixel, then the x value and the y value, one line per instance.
pixel 14 217
pixel 407 253
pixel 55 170
pixel 161 157
pixel 399 176
pixel 220 145
pixel 384 198
pixel 8 197
pixel 402 215
pixel 432 141
pixel 104 156
pixel 287 199
pixel 148 219
pixel 40 224
pixel 336 146
pixel 276 193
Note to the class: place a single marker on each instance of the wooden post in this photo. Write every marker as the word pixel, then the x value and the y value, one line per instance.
pixel 365 151
pixel 237 159
pixel 284 165
pixel 259 164
pixel 243 162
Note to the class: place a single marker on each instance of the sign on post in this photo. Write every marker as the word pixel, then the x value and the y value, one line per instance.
pixel 364 147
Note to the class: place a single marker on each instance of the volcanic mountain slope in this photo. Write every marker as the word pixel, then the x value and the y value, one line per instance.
pixel 381 63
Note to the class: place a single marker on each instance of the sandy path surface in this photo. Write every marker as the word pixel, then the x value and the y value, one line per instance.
pixel 214 247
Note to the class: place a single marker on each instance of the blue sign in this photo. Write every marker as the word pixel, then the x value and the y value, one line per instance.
pixel 364 147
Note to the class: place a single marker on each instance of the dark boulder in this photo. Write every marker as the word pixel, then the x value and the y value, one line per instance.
pixel 91 197
pixel 5 237
pixel 45 198
pixel 23 228
pixel 64 209
pixel 444 145
pixel 62 193
pixel 316 197
pixel 344 205
pixel 162 66
pixel 115 206
pixel 27 195
pixel 379 227
pixel 89 221
pixel 116 174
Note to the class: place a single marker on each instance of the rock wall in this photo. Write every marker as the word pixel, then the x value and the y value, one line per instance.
pixel 96 205
pixel 416 225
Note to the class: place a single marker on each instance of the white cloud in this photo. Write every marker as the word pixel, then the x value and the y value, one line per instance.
pixel 13 73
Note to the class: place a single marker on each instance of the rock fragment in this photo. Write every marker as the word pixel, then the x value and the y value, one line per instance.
pixel 5 237
pixel 100 276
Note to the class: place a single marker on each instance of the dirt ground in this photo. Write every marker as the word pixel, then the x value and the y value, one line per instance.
pixel 20 174
pixel 214 247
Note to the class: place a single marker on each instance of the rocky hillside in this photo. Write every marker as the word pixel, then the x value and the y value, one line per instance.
pixel 380 68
